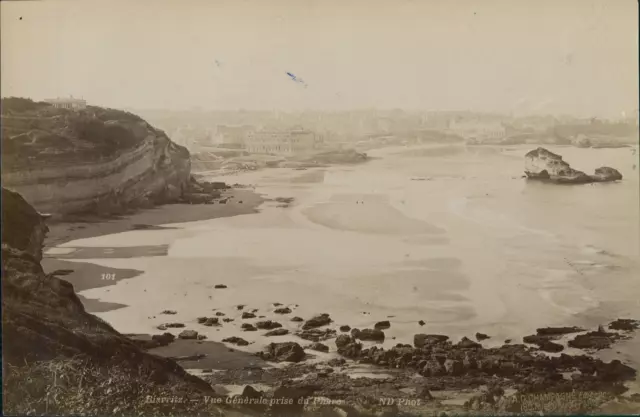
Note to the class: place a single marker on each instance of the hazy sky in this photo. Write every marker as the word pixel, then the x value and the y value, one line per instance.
pixel 539 56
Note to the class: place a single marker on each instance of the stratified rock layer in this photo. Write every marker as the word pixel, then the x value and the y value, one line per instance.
pixel 542 164
pixel 95 160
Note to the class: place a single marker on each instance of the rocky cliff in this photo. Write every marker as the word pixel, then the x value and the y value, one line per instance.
pixel 542 164
pixel 95 160
pixel 59 359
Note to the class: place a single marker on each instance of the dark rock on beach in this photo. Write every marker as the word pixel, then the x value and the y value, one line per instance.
pixel 277 332
pixel 188 334
pixel 421 340
pixel 317 321
pixel 236 341
pixel 625 324
pixel 596 340
pixel 283 310
pixel 558 331
pixel 296 318
pixel 268 324
pixel 345 328
pixel 320 347
pixel 481 336
pixel 247 315
pixel 248 327
pixel 382 325
pixel 283 352
pixel 316 335
pixel 370 334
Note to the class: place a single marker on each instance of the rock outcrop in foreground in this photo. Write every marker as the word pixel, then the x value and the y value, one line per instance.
pixel 541 164
pixel 95 160
pixel 59 359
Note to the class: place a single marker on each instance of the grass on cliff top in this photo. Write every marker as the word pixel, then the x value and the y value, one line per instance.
pixel 77 386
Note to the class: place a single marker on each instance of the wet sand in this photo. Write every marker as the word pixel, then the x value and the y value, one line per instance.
pixel 87 227
pixel 87 275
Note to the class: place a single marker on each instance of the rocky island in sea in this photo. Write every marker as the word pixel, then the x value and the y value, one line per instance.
pixel 541 164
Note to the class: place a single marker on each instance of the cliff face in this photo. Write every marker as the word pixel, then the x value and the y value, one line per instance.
pixel 95 160
pixel 542 164
pixel 59 359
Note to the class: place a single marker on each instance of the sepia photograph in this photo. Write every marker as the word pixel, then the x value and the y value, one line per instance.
pixel 320 208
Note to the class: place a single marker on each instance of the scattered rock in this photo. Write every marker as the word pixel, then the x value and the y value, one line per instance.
pixel 316 335
pixel 320 347
pixel 283 310
pixel 277 304
pixel 219 286
pixel 283 352
pixel 202 337
pixel 248 327
pixel 277 332
pixel 236 341
pixel 625 324
pixel 296 318
pixel 481 336
pixel 247 315
pixel 433 368
pixel 345 328
pixel 220 313
pixel 201 319
pixel 467 343
pixel 535 339
pixel 382 325
pixel 550 346
pixel 336 362
pixel 174 325
pixel 558 331
pixel 421 340
pixel 227 320
pixel 317 321
pixel 597 340
pixel 370 334
pixel 250 392
pixel 169 312
pixel 424 393
pixel 343 340
pixel 211 321
pixel 453 367
pixel 163 339
pixel 268 325
pixel 188 334
pixel 240 306
pixel 421 323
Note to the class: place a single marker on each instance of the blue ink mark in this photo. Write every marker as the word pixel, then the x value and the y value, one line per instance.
pixel 296 79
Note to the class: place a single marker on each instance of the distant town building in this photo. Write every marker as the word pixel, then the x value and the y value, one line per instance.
pixel 478 129
pixel 233 136
pixel 280 142
pixel 68 103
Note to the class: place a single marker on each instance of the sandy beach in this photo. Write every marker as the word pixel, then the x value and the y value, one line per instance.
pixel 440 236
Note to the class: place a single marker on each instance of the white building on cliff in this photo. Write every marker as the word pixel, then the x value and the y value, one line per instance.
pixel 68 103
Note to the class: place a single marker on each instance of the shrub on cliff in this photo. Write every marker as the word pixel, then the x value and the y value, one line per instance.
pixel 111 138
pixel 20 105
